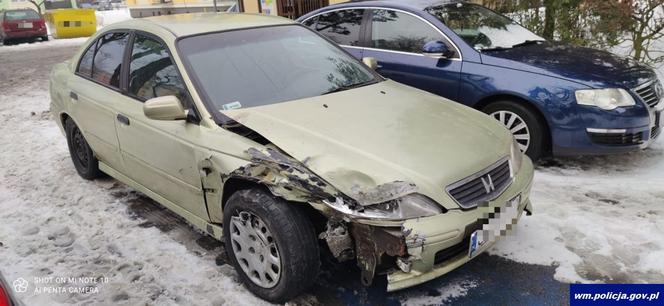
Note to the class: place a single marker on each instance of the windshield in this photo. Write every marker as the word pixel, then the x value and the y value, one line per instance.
pixel 262 66
pixel 482 28
pixel 21 15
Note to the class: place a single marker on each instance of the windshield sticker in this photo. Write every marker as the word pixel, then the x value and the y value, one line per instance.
pixel 232 105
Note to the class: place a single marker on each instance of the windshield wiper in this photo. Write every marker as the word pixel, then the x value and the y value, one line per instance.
pixel 495 49
pixel 352 86
pixel 501 48
pixel 527 43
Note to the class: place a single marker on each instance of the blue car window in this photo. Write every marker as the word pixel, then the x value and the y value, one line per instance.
pixel 342 27
pixel 399 31
pixel 480 27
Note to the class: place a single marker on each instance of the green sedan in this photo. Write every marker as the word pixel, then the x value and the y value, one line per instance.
pixel 277 142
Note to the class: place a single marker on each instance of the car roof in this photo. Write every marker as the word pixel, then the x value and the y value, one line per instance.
pixel 414 4
pixel 198 23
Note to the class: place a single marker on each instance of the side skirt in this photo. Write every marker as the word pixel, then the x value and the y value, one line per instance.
pixel 212 229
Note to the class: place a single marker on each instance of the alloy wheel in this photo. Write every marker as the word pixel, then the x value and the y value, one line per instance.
pixel 517 127
pixel 255 249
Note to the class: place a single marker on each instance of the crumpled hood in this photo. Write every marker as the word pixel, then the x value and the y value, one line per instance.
pixel 382 133
pixel 591 67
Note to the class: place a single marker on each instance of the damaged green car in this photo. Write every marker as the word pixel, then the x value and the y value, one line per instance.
pixel 277 142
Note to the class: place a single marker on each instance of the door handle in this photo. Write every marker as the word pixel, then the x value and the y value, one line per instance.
pixel 123 119
pixel 73 95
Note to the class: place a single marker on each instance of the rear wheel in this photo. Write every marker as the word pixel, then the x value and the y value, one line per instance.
pixel 85 162
pixel 44 38
pixel 271 244
pixel 524 124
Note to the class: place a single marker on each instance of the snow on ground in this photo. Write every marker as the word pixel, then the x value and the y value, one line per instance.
pixel 597 219
pixel 449 291
pixel 56 224
pixel 40 45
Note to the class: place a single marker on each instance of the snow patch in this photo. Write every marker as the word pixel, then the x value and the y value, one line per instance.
pixel 55 224
pixel 44 44
pixel 444 295
pixel 598 219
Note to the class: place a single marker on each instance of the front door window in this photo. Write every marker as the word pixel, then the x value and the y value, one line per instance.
pixel 397 31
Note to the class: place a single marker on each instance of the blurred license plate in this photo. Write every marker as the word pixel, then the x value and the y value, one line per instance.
pixel 498 223
pixel 25 25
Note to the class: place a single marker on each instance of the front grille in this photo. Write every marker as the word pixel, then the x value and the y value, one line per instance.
pixel 649 94
pixel 617 139
pixel 485 185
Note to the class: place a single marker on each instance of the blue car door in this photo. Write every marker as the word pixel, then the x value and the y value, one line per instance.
pixel 344 27
pixel 396 38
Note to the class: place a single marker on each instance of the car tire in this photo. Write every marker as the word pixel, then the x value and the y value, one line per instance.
pixel 255 212
pixel 44 38
pixel 535 130
pixel 84 160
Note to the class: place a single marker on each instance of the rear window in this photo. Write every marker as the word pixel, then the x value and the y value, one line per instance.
pixel 21 15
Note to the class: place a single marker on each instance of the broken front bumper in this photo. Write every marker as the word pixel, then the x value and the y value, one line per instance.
pixel 439 244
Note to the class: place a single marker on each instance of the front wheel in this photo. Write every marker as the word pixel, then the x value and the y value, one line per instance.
pixel 271 244
pixel 524 124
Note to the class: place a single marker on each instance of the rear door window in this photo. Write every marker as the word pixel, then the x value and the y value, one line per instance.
pixel 342 27
pixel 397 31
pixel 152 72
pixel 107 60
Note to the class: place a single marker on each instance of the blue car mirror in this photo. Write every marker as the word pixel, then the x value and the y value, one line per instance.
pixel 437 48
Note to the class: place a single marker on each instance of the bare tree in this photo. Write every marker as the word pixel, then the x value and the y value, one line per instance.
pixel 37 4
pixel 647 28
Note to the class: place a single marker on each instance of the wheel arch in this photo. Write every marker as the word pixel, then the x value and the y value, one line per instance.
pixel 63 118
pixel 534 107
pixel 234 184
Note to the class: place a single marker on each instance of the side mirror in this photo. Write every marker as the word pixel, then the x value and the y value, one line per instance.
pixel 370 62
pixel 437 48
pixel 164 108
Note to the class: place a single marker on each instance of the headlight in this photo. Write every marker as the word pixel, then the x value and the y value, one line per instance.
pixel 407 207
pixel 608 99
pixel 516 157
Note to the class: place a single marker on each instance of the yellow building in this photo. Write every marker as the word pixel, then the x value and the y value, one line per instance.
pixel 286 8
pixel 145 8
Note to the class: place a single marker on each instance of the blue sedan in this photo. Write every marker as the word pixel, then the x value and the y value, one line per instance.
pixel 556 99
